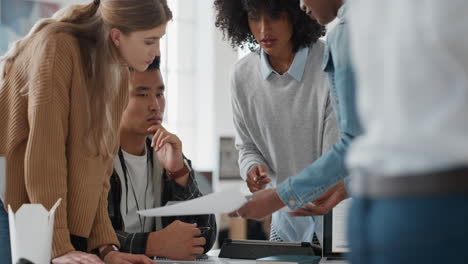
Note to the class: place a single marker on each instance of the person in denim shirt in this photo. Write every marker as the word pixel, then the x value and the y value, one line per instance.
pixel 328 174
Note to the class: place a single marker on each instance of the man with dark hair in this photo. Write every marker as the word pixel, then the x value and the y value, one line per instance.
pixel 280 97
pixel 150 172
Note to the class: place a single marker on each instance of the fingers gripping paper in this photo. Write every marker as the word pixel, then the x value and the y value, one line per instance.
pixel 220 202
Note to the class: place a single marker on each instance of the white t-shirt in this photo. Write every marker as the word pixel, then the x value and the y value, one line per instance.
pixel 140 192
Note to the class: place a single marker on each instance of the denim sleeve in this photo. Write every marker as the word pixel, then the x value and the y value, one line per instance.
pixel 330 132
pixel 320 176
pixel 330 168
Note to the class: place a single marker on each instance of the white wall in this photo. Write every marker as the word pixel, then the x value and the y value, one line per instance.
pixel 198 66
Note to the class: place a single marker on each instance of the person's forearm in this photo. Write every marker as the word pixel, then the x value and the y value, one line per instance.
pixel 310 183
pixel 180 192
pixel 154 248
pixel 183 181
pixel 46 179
pixel 134 243
pixel 249 157
pixel 102 232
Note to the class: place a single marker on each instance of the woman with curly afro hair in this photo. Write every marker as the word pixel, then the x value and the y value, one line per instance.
pixel 283 117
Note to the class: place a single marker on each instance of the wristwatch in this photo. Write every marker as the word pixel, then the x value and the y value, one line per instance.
pixel 182 172
pixel 108 249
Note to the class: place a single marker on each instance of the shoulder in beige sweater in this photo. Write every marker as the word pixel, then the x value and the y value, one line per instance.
pixel 42 138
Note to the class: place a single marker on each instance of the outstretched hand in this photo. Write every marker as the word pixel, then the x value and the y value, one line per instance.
pixel 325 203
pixel 262 204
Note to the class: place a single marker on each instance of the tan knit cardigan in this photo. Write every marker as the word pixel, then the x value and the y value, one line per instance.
pixel 42 138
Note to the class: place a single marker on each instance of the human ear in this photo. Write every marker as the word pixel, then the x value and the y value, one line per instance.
pixel 115 35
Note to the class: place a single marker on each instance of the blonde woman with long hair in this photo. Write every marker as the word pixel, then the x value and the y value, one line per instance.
pixel 63 89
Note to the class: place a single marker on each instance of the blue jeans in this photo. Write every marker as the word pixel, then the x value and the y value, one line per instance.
pixel 409 230
pixel 5 251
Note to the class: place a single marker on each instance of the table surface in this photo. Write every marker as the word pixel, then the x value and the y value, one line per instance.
pixel 213 258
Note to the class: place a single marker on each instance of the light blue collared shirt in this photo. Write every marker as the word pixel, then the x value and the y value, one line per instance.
pixel 296 70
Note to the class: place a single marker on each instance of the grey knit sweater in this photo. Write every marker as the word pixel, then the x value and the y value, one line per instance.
pixel 281 122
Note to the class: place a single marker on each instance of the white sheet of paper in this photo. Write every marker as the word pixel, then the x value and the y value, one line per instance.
pixel 220 202
pixel 339 227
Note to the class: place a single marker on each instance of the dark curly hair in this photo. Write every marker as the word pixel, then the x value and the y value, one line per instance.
pixel 232 19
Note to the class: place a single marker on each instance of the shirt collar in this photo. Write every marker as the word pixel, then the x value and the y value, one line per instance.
pixel 297 67
pixel 342 12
